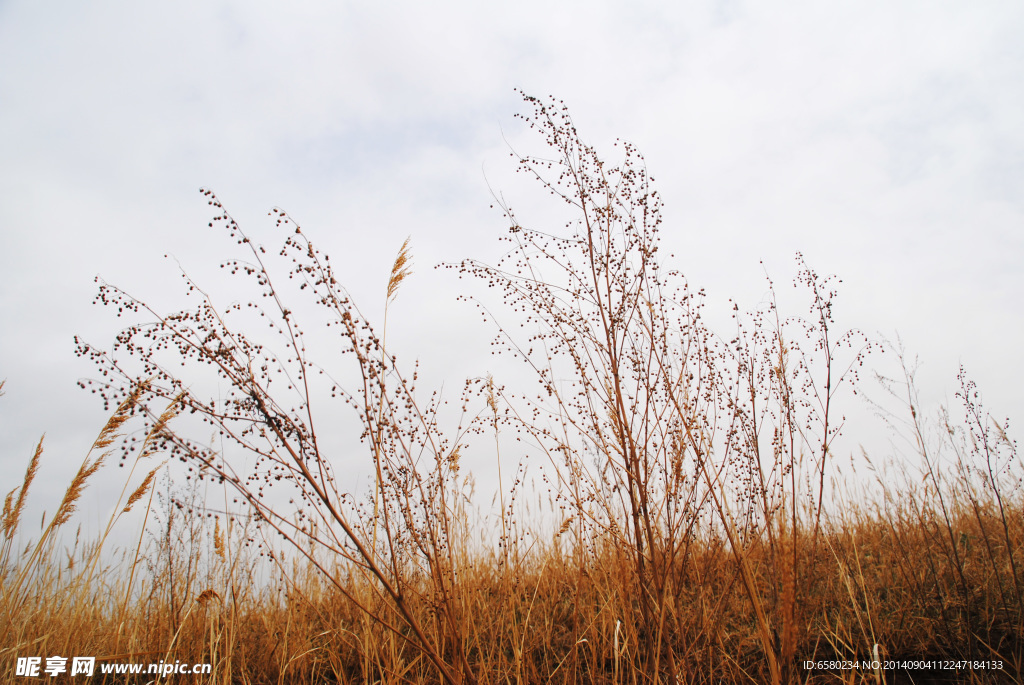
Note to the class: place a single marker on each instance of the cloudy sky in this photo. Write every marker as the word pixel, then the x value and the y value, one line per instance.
pixel 883 139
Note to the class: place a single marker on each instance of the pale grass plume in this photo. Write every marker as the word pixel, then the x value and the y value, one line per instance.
pixel 8 508
pixel 492 400
pixel 158 428
pixel 453 459
pixel 12 514
pixel 401 269
pixel 140 491
pixel 218 540
pixel 109 433
pixel 74 492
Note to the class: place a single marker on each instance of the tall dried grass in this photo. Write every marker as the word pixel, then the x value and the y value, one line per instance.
pixel 692 535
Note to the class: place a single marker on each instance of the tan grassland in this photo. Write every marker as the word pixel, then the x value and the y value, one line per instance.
pixel 698 525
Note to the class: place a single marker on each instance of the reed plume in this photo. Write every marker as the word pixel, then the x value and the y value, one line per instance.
pixel 141 491
pixel 12 514
pixel 74 491
pixel 401 270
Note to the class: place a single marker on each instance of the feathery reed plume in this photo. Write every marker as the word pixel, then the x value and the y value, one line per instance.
pixel 218 540
pixel 109 433
pixel 140 491
pixel 401 270
pixel 172 410
pixel 74 492
pixel 13 515
pixel 8 502
pixel 453 459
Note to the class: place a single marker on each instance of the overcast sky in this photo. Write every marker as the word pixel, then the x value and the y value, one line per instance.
pixel 883 139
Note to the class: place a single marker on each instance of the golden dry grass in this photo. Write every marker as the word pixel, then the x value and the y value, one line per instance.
pixel 895 575
pixel 692 536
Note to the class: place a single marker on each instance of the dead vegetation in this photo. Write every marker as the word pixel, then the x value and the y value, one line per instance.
pixel 693 535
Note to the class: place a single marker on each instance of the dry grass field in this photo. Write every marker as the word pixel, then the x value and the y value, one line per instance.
pixel 698 528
